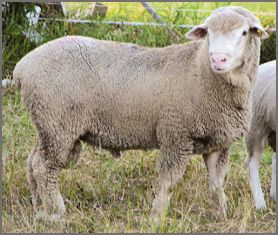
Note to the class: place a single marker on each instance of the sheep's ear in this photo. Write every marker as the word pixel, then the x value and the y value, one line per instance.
pixel 259 31
pixel 197 32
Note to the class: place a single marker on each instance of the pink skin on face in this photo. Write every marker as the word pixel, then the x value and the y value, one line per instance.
pixel 219 60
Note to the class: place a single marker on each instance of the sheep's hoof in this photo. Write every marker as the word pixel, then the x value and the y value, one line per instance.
pixel 219 205
pixel 220 211
pixel 260 204
pixel 41 215
pixel 157 219
pixel 221 214
pixel 158 214
pixel 44 216
pixel 273 193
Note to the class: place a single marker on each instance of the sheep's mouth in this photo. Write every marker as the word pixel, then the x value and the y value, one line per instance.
pixel 219 70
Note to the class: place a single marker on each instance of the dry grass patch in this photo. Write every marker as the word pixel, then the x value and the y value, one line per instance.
pixel 103 194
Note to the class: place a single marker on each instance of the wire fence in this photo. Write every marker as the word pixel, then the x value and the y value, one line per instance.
pixel 110 22
pixel 128 23
pixel 160 23
pixel 188 10
pixel 171 27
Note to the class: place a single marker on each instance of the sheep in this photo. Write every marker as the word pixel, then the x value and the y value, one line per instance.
pixel 184 99
pixel 263 128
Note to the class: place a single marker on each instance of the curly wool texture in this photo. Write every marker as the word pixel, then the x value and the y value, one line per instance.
pixel 264 107
pixel 122 96
pixel 263 129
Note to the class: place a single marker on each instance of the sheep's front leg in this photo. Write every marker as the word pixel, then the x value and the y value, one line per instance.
pixel 273 180
pixel 255 142
pixel 171 170
pixel 217 165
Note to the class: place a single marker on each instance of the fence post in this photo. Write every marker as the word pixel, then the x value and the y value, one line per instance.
pixel 152 11
pixel 173 33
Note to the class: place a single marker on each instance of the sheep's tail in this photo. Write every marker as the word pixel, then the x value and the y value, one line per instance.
pixel 10 83
pixel 14 82
pixel 16 76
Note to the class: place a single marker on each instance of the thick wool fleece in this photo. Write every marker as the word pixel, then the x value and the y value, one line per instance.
pixel 263 124
pixel 262 130
pixel 122 96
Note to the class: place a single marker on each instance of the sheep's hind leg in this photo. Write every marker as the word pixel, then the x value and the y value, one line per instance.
pixel 47 180
pixel 52 201
pixel 36 201
pixel 46 176
pixel 217 165
pixel 273 179
pixel 171 170
pixel 255 146
pixel 272 143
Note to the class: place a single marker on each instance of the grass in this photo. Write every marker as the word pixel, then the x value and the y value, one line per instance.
pixel 107 195
pixel 167 10
pixel 16 45
pixel 174 12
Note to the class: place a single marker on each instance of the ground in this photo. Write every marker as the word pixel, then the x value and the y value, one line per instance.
pixel 103 194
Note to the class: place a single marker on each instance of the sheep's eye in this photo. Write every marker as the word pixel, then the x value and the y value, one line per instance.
pixel 244 33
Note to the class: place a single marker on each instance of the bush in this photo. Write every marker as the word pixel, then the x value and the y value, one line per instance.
pixel 268 49
pixel 15 23
pixel 16 45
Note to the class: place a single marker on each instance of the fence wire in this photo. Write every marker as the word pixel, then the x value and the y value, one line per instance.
pixel 128 23
pixel 185 10
pixel 151 24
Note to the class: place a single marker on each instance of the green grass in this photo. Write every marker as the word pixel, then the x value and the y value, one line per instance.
pixel 107 195
pixel 136 12
pixel 15 45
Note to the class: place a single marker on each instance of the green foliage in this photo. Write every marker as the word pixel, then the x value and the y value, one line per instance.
pixel 107 195
pixel 103 194
pixel 268 48
pixel 16 45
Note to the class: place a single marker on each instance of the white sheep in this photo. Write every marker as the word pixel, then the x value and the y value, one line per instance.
pixel 184 99
pixel 263 128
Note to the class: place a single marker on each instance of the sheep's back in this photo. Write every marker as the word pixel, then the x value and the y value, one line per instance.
pixel 90 84
pixel 79 68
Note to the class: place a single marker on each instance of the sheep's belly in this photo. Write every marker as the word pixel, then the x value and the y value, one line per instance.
pixel 117 143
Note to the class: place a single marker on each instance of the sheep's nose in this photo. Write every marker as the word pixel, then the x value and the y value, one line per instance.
pixel 219 59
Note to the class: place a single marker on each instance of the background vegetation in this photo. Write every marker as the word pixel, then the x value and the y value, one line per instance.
pixel 16 45
pixel 107 195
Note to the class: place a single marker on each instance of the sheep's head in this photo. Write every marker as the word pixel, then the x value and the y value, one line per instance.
pixel 228 31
